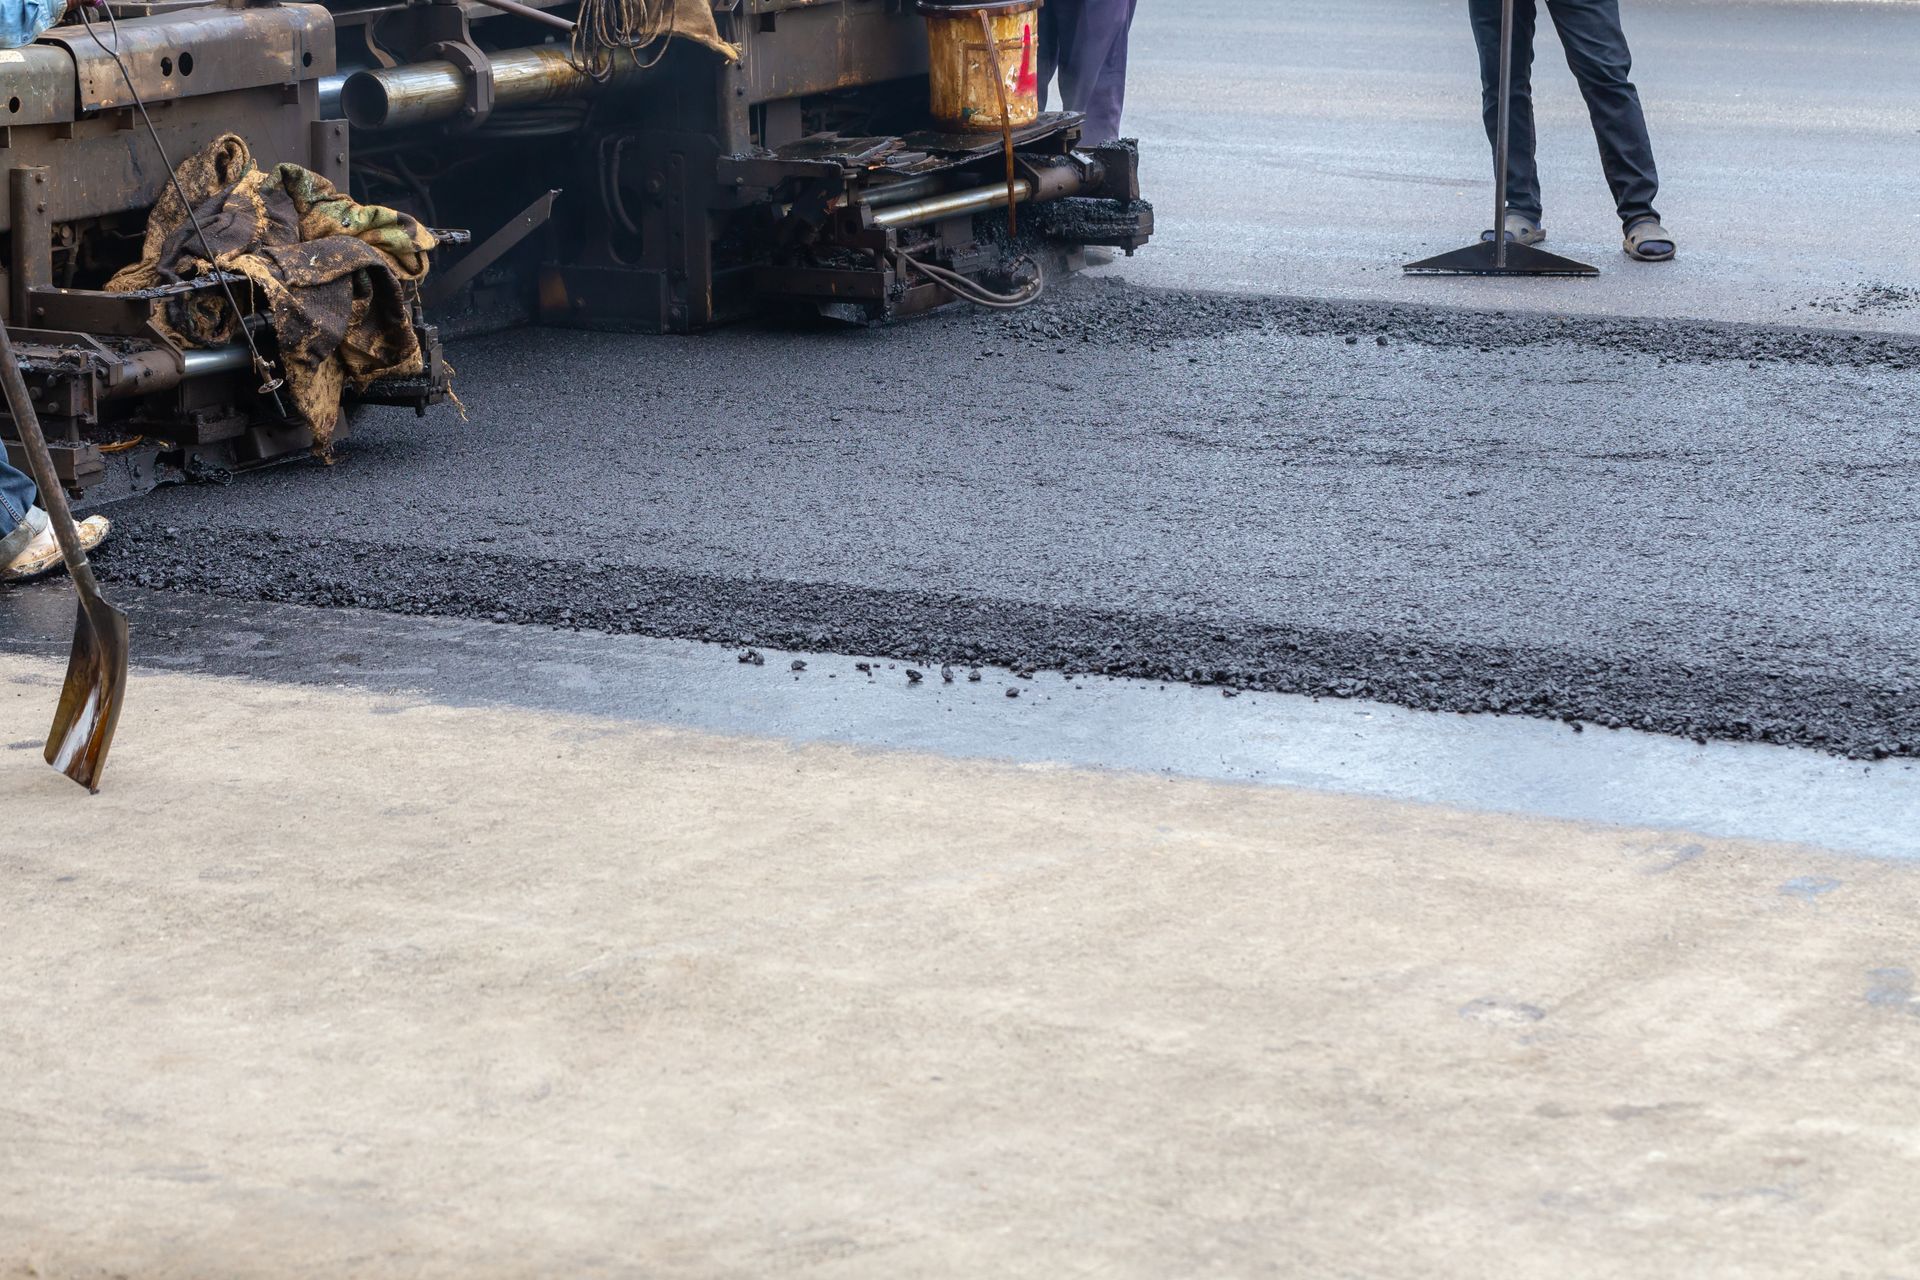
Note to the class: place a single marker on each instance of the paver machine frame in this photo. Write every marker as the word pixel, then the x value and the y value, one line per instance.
pixel 788 161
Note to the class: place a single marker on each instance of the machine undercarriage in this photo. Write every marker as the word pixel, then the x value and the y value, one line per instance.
pixel 663 193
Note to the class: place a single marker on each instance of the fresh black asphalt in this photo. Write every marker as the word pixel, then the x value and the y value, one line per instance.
pixel 1697 529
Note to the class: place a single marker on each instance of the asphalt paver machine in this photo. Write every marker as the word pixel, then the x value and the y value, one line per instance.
pixel 655 165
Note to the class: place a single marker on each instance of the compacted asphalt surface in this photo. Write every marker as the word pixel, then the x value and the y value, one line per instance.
pixel 1688 528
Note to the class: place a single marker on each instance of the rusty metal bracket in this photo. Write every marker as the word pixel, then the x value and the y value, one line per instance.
pixel 1119 170
pixel 440 288
pixel 329 151
pixel 200 51
pixel 78 464
pixel 1051 177
pixel 476 71
pixel 121 314
pixel 30 266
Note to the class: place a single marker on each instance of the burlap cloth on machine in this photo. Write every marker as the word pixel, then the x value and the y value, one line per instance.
pixel 334 274
pixel 693 20
pixel 604 24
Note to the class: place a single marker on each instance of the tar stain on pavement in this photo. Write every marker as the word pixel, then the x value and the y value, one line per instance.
pixel 1892 988
pixel 1695 529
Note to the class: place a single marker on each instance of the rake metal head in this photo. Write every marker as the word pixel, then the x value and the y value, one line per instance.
pixel 1482 259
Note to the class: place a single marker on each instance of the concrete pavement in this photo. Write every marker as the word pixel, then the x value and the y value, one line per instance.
pixel 1505 764
pixel 297 995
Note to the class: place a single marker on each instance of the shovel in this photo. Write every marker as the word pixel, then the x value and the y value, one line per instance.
pixel 89 707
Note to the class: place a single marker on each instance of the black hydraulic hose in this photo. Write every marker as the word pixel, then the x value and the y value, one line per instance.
pixel 961 287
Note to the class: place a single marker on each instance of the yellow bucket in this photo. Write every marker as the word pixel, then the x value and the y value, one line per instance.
pixel 963 63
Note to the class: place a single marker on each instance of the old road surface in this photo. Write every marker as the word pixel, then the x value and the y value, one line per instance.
pixel 986 796
pixel 1311 146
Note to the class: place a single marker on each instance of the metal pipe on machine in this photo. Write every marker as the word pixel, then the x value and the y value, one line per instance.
pixel 899 192
pixel 1047 178
pixel 426 92
pixel 202 361
pixel 953 204
pixel 331 87
pixel 162 368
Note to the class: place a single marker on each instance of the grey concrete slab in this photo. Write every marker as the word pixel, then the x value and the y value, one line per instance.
pixel 327 983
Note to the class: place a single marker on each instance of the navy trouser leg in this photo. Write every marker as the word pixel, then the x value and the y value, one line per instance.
pixel 1598 55
pixel 1086 40
pixel 1523 172
pixel 1106 95
pixel 17 496
pixel 1056 23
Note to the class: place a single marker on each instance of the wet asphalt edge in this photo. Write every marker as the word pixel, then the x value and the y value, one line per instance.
pixel 1110 311
pixel 1787 701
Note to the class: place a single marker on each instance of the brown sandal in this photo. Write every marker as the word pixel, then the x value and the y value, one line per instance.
pixel 1648 241
pixel 1520 229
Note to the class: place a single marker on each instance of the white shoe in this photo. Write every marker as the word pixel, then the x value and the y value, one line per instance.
pixel 38 551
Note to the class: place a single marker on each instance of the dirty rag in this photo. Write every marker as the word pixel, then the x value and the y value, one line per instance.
pixel 335 275
pixel 693 20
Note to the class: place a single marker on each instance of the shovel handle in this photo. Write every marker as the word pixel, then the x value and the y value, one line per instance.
pixel 40 462
pixel 1503 139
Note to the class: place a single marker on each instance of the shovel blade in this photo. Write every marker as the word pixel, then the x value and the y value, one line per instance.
pixel 89 709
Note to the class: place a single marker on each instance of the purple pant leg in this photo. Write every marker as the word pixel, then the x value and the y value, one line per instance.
pixel 1062 33
pixel 1105 93
pixel 1054 27
pixel 1087 41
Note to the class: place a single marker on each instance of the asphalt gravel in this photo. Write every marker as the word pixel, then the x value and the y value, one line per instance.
pixel 1699 529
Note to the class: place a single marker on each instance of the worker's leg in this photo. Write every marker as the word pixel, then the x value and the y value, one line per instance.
pixel 1108 97
pixel 1093 70
pixel 1523 173
pixel 17 496
pixel 24 21
pixel 1059 19
pixel 1597 53
pixel 28 547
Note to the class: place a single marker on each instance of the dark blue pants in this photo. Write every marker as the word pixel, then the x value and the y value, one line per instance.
pixel 17 496
pixel 1086 42
pixel 1597 53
